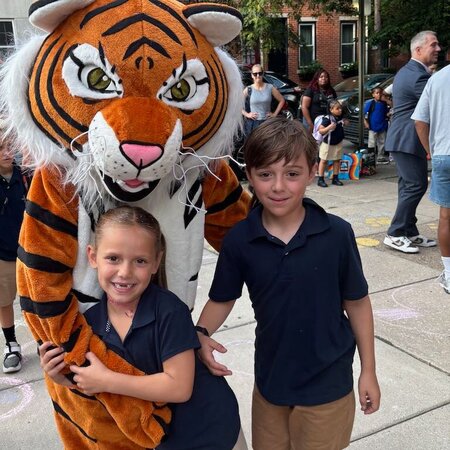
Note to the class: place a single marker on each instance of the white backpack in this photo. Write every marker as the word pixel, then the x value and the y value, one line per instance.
pixel 317 122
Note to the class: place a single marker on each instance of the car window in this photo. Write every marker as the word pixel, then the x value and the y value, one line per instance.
pixel 273 80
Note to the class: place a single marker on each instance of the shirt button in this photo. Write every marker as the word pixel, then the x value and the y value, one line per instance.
pixel 287 253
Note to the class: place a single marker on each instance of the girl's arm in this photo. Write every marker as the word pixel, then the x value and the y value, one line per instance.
pixel 325 130
pixel 306 104
pixel 360 315
pixel 173 385
pixel 276 93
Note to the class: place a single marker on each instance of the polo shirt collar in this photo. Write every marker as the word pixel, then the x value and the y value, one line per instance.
pixel 145 312
pixel 316 221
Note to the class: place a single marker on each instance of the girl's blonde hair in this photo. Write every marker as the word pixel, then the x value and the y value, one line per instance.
pixel 135 216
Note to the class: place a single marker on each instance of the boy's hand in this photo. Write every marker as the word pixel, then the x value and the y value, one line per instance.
pixel 205 353
pixel 52 362
pixel 369 393
pixel 92 379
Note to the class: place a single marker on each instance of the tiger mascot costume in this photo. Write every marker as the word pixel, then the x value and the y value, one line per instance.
pixel 122 101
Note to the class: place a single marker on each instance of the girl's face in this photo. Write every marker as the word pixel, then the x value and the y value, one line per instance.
pixel 126 260
pixel 336 110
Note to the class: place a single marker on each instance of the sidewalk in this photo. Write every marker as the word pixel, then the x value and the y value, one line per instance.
pixel 412 325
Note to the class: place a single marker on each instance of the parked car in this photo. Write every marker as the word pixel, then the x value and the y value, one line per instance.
pixel 349 87
pixel 290 90
pixel 351 111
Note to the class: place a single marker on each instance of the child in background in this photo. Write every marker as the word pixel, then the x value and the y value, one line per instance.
pixel 152 329
pixel 311 304
pixel 331 147
pixel 13 189
pixel 376 120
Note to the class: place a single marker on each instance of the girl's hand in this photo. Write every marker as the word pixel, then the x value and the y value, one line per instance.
pixel 252 115
pixel 332 126
pixel 52 362
pixel 205 353
pixel 369 393
pixel 346 122
pixel 92 379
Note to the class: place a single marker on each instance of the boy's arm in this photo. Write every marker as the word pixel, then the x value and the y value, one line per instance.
pixel 174 384
pixel 212 317
pixel 360 315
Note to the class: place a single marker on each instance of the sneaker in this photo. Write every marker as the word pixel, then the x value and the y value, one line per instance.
pixel 422 241
pixel 13 357
pixel 444 282
pixel 337 182
pixel 382 160
pixel 321 183
pixel 401 243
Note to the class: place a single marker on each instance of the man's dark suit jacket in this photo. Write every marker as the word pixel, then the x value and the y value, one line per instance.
pixel 408 85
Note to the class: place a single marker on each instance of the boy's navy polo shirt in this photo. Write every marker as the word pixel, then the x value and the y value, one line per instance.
pixel 378 120
pixel 162 327
pixel 337 135
pixel 304 344
pixel 12 206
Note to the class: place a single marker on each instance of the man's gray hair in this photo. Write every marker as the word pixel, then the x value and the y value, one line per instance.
pixel 420 38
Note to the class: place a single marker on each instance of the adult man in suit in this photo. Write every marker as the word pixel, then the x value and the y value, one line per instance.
pixel 403 143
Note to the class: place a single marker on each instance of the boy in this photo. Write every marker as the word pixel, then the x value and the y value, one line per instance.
pixel 12 205
pixel 376 120
pixel 302 270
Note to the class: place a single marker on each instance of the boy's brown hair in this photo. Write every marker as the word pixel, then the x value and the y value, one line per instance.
pixel 276 139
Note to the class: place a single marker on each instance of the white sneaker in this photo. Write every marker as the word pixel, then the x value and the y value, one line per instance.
pixel 422 241
pixel 13 357
pixel 444 282
pixel 401 243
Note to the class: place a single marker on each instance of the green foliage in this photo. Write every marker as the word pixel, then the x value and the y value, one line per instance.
pixel 310 69
pixel 349 67
pixel 401 20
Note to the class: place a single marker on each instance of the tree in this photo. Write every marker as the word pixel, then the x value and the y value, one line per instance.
pixel 402 20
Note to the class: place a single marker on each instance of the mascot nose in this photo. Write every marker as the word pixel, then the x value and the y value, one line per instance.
pixel 141 155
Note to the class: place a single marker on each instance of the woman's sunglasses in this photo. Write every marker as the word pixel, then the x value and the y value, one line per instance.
pixel 257 74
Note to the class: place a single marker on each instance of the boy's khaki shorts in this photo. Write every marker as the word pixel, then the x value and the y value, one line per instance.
pixel 330 152
pixel 321 427
pixel 7 282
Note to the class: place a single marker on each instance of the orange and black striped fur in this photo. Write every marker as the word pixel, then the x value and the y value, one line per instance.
pixel 122 101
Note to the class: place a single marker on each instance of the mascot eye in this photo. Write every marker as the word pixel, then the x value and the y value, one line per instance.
pixel 188 86
pixel 180 91
pixel 98 80
pixel 88 74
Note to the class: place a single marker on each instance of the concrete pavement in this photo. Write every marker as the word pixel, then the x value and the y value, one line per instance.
pixel 412 318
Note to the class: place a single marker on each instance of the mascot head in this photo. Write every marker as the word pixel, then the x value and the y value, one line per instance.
pixel 124 95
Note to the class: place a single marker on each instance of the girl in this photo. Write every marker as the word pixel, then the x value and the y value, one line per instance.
pixel 331 147
pixel 152 329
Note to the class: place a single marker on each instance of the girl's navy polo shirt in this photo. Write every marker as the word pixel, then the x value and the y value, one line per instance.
pixel 304 344
pixel 337 135
pixel 162 327
pixel 12 206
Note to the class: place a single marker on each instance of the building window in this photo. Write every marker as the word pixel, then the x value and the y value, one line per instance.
pixel 6 38
pixel 348 42
pixel 307 48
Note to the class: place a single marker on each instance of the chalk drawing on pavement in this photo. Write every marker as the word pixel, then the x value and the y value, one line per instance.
pixel 14 400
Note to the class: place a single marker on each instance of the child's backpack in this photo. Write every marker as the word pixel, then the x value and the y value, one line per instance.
pixel 317 122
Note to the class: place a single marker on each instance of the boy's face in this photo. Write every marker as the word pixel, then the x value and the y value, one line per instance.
pixel 281 186
pixel 376 94
pixel 6 159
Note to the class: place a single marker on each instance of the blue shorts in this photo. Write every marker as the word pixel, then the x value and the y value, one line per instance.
pixel 440 180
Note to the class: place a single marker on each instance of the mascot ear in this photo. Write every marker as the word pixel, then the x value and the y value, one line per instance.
pixel 48 14
pixel 218 23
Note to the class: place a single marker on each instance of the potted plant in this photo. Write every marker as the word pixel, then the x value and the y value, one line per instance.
pixel 349 69
pixel 306 73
